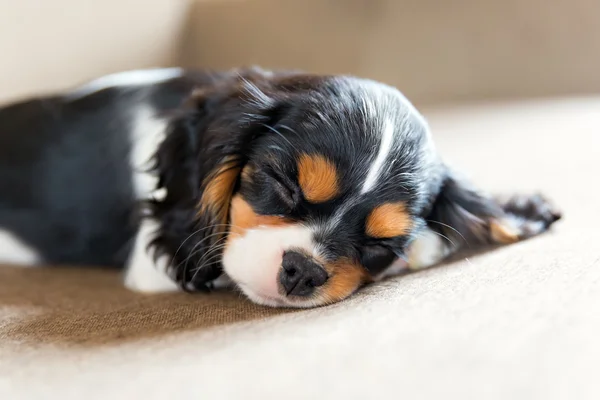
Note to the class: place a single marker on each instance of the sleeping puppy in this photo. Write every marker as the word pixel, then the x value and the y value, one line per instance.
pixel 297 189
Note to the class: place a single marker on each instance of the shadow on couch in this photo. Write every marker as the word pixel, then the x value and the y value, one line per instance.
pixel 91 307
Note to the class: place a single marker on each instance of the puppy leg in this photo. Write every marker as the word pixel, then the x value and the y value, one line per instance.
pixel 523 217
pixel 143 273
pixel 463 218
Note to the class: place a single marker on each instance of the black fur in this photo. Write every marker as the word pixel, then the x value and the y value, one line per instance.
pixel 66 185
pixel 461 213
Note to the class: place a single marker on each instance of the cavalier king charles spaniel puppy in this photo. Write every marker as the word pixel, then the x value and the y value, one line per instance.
pixel 294 188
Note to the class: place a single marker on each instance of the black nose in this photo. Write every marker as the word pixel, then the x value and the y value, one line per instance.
pixel 300 275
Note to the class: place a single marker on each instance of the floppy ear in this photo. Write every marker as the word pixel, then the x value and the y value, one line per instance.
pixel 469 218
pixel 199 164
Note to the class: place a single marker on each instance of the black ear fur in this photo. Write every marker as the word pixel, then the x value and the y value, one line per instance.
pixel 179 173
pixel 462 214
pixel 198 164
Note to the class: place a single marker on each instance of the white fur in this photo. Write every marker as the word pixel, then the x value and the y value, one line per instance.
pixel 253 260
pixel 257 97
pixel 427 250
pixel 523 227
pixel 142 273
pixel 13 251
pixel 127 78
pixel 381 94
pixel 385 146
pixel 147 132
pixel 397 267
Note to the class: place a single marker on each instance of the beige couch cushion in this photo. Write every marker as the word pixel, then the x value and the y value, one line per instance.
pixel 517 323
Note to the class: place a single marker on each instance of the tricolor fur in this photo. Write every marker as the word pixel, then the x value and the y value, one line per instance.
pixel 298 189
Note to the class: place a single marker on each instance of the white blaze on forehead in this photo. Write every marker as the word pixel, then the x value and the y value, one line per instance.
pixel 385 147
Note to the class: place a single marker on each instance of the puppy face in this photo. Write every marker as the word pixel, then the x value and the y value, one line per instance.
pixel 329 200
pixel 320 195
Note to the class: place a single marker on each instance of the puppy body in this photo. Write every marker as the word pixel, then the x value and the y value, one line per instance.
pixel 74 166
pixel 301 188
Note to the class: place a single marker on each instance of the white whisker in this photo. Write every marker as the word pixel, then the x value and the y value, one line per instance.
pixel 190 235
pixel 448 226
pixel 445 237
pixel 277 132
pixel 204 261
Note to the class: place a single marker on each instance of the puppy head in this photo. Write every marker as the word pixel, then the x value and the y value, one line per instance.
pixel 300 188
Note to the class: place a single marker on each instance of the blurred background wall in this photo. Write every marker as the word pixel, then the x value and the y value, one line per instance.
pixel 47 45
pixel 433 50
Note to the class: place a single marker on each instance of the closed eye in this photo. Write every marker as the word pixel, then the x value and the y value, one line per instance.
pixel 285 190
pixel 375 258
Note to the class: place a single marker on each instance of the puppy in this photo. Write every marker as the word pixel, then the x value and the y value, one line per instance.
pixel 297 189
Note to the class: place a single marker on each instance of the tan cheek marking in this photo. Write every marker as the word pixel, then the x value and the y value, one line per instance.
pixel 218 191
pixel 243 217
pixel 345 278
pixel 503 233
pixel 318 178
pixel 388 220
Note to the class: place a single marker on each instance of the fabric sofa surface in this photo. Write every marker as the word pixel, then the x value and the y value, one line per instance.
pixel 520 322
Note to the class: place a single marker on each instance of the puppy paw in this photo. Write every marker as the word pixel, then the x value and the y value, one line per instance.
pixel 525 216
pixel 535 208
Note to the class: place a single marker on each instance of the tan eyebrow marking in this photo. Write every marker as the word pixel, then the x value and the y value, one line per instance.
pixel 388 220
pixel 318 178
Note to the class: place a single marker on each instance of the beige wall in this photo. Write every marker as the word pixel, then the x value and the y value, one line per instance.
pixel 51 44
pixel 433 50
